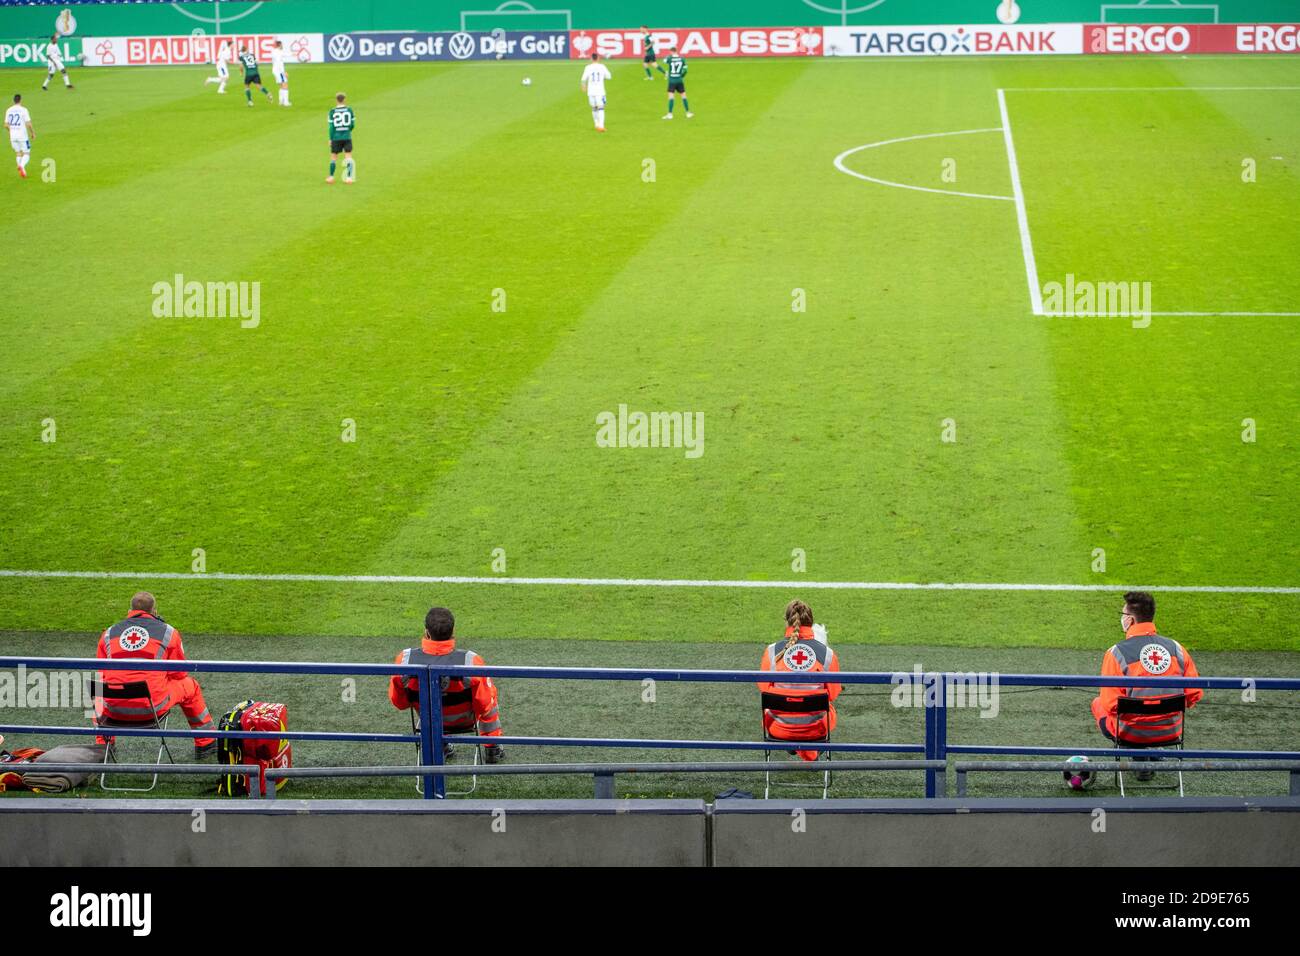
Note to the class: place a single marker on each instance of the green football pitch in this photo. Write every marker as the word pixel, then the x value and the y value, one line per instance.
pixel 435 344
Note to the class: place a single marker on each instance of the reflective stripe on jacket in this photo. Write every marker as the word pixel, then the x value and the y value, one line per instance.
pixel 141 636
pixel 463 706
pixel 805 654
pixel 1144 654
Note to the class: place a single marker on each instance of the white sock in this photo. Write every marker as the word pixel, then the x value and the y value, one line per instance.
pixel 22 160
pixel 350 169
pixel 67 80
pixel 222 87
pixel 600 118
pixel 284 96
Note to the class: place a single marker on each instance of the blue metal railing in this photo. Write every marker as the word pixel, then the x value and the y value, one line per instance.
pixel 934 688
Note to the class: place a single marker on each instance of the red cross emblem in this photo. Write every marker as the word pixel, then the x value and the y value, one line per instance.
pixel 799 658
pixel 1154 659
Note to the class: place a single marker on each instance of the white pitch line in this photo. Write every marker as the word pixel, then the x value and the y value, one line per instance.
pixel 1142 89
pixel 839 164
pixel 642 582
pixel 1225 313
pixel 1022 217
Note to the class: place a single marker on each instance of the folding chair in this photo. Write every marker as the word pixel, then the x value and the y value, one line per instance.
pixel 132 690
pixel 812 706
pixel 452 698
pixel 1167 706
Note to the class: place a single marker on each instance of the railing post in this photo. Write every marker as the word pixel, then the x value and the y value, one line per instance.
pixel 431 734
pixel 604 786
pixel 1295 784
pixel 941 734
pixel 961 783
pixel 931 730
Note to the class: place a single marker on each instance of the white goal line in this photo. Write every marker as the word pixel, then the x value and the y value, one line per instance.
pixel 642 582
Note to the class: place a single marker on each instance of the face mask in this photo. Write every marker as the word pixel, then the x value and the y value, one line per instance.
pixel 1123 623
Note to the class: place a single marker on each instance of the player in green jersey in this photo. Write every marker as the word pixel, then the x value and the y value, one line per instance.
pixel 342 122
pixel 676 82
pixel 648 48
pixel 252 75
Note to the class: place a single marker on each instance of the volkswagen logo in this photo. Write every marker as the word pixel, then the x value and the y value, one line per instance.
pixel 461 46
pixel 341 47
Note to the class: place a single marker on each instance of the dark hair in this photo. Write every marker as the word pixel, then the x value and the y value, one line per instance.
pixel 143 601
pixel 1141 605
pixel 595 55
pixel 341 97
pixel 439 623
pixel 18 97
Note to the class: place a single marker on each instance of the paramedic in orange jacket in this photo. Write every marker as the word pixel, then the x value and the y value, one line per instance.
pixel 802 650
pixel 438 646
pixel 143 635
pixel 1143 653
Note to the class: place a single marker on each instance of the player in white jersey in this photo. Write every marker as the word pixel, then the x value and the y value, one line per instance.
pixel 593 84
pixel 223 67
pixel 54 64
pixel 19 123
pixel 277 70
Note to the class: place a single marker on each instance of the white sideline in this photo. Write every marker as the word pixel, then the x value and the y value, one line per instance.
pixel 645 582
pixel 1022 217
pixel 1026 242
pixel 1142 89
pixel 839 164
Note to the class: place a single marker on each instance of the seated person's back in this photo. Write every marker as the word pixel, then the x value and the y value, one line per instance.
pixel 438 646
pixel 803 649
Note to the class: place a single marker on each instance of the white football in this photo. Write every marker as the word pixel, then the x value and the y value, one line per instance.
pixel 527 81
pixel 1078 777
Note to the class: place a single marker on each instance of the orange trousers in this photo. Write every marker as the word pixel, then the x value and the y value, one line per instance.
pixel 184 692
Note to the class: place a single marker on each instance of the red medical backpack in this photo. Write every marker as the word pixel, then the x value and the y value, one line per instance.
pixel 265 752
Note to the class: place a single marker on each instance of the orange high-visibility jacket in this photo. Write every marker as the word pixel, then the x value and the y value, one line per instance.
pixel 1144 653
pixel 482 705
pixel 144 637
pixel 806 654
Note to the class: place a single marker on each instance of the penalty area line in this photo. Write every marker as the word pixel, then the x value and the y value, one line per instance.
pixel 643 582
pixel 1022 217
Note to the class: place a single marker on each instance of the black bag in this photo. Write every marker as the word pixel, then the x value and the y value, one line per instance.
pixel 230 752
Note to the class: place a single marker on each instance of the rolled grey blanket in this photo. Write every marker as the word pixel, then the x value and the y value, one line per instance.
pixel 62 782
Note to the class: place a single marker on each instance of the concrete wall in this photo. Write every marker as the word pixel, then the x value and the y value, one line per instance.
pixel 46 831
pixel 1146 832
pixel 52 832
